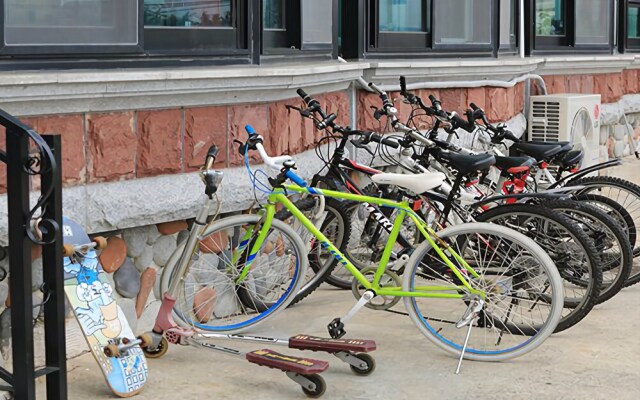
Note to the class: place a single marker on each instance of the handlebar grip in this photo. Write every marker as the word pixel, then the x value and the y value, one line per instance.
pixel 250 129
pixel 403 86
pixel 327 121
pixel 374 137
pixel 213 151
pixel 432 98
pixel 295 178
pixel 376 89
pixel 474 107
pixel 466 125
pixel 302 93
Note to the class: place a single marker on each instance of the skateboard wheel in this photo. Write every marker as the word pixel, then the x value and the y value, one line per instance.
pixel 163 346
pixel 145 340
pixel 100 241
pixel 111 350
pixel 321 386
pixel 68 250
pixel 367 359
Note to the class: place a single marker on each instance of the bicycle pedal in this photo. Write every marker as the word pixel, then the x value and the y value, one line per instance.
pixel 336 329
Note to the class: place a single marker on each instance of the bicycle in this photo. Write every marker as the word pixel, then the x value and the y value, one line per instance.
pixel 499 297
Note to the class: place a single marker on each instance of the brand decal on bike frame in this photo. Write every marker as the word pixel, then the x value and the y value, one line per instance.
pixel 334 253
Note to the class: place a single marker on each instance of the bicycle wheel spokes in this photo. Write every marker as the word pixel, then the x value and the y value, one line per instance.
pixel 517 291
pixel 227 288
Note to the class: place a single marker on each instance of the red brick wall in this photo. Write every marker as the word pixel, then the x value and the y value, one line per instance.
pixel 611 86
pixel 499 103
pixel 103 147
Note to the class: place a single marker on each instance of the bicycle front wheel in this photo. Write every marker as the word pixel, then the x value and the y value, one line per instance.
pixel 523 290
pixel 212 293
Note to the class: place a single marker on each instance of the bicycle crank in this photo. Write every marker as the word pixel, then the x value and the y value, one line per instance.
pixel 388 279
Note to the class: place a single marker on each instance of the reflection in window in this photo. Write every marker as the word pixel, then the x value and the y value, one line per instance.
pixel 592 21
pixel 273 14
pixel 401 16
pixel 461 22
pixel 550 19
pixel 188 13
pixel 633 23
pixel 70 22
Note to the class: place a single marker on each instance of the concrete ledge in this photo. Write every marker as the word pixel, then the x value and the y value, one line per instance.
pixel 41 93
pixel 571 65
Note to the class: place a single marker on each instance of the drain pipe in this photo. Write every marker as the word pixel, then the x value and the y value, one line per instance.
pixel 521 30
pixel 469 84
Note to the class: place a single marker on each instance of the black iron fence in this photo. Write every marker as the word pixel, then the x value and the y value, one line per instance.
pixel 23 163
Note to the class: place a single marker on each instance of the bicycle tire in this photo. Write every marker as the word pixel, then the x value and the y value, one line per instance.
pixel 336 212
pixel 183 310
pixel 434 328
pixel 606 234
pixel 598 183
pixel 583 278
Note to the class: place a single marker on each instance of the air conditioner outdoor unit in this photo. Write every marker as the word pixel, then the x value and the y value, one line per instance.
pixel 572 117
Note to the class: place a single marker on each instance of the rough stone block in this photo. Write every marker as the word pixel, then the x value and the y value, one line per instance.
pixel 586 84
pixel 338 102
pixel 153 234
pixel 145 260
pixel 555 84
pixel 499 102
pixel 111 145
pixel 147 280
pixel 114 255
pixel 127 280
pixel 204 301
pixel 203 127
pixel 365 120
pixel 169 228
pixel 454 100
pixel 136 240
pixel 631 84
pixel 163 248
pixel 279 128
pixel 159 142
pixel 71 129
pixel 240 116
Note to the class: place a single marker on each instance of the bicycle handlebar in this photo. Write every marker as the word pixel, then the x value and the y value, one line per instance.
pixel 273 162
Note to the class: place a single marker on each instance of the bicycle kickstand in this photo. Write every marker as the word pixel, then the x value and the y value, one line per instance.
pixel 336 327
pixel 468 318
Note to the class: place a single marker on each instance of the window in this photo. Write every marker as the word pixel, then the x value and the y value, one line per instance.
pixel 571 24
pixel 463 22
pixel 508 24
pixel 632 26
pixel 184 25
pixel 280 25
pixel 399 25
pixel 402 16
pixel 65 25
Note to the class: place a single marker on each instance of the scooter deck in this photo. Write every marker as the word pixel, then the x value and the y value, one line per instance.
pixel 287 363
pixel 315 343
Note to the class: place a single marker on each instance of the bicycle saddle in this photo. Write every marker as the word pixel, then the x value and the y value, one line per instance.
pixel 565 146
pixel 467 164
pixel 417 183
pixel 510 162
pixel 540 152
pixel 571 159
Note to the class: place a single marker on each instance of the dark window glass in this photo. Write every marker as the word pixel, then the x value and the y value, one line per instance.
pixel 463 22
pixel 187 13
pixel 71 22
pixel 401 16
pixel 633 22
pixel 593 21
pixel 508 17
pixel 550 18
pixel 273 14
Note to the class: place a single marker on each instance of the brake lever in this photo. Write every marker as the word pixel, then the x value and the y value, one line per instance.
pixel 242 149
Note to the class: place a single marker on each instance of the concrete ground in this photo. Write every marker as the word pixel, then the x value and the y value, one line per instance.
pixel 597 359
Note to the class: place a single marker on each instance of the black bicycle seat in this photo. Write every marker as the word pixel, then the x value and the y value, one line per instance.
pixel 570 159
pixel 466 164
pixel 540 152
pixel 565 146
pixel 505 163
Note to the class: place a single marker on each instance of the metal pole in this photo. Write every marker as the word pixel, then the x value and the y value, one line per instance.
pixel 53 274
pixel 20 266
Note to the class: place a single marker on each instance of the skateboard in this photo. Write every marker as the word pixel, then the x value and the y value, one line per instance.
pixel 103 323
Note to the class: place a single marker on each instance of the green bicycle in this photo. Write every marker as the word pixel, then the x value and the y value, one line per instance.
pixel 479 276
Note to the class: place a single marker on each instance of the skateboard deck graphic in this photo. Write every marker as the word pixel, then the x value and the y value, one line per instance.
pixel 102 321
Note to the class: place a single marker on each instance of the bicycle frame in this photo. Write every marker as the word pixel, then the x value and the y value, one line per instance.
pixel 434 291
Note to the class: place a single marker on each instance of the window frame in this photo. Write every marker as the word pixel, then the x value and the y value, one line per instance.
pixel 281 41
pixel 561 44
pixel 512 46
pixel 373 48
pixel 625 44
pixel 62 50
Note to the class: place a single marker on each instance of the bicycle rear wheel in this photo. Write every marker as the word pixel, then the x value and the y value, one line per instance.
pixel 211 294
pixel 523 289
pixel 568 246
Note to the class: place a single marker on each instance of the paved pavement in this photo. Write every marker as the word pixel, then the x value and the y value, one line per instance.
pixel 597 359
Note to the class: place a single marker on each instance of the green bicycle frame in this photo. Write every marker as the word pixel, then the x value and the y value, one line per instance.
pixel 436 291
